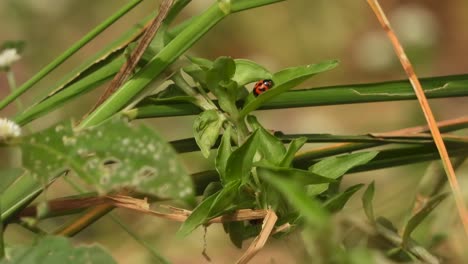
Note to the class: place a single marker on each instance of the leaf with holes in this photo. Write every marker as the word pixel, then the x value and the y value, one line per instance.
pixel 110 156
pixel 56 250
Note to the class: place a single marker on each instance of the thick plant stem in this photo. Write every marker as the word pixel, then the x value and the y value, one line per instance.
pixel 161 61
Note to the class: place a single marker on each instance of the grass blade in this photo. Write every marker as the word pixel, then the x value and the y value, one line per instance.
pixel 452 178
pixel 64 56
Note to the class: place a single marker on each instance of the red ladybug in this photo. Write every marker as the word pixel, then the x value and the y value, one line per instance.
pixel 262 86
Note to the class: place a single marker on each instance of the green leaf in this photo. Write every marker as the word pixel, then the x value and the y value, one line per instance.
pixel 211 207
pixel 57 250
pixel 313 213
pixel 206 129
pixel 285 80
pixel 222 71
pixel 421 215
pixel 338 201
pixel 110 156
pixel 224 151
pixel 218 80
pixel 270 147
pixel 197 74
pixel 367 198
pixel 337 166
pixel 236 232
pixel 248 71
pixel 294 147
pixel 240 162
pixel 201 62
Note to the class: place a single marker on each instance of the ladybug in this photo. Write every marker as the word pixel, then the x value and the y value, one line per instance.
pixel 262 86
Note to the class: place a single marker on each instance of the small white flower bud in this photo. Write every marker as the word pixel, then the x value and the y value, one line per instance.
pixel 8 129
pixel 8 57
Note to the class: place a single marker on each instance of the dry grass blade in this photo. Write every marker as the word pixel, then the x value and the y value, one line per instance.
pixel 374 4
pixel 132 62
pixel 58 206
pixel 261 239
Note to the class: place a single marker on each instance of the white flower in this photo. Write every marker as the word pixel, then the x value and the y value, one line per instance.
pixel 8 129
pixel 7 57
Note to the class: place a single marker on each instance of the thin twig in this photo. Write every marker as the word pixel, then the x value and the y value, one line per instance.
pixel 129 66
pixel 374 4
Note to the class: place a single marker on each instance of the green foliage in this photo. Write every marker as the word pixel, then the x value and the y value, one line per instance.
pixel 285 80
pixel 255 170
pixel 57 250
pixel 141 160
pixel 367 202
pixel 206 129
pixel 416 219
pixel 240 161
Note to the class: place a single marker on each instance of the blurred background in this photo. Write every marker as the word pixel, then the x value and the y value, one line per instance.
pixel 286 34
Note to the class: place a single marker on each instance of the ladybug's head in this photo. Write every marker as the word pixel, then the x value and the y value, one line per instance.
pixel 268 83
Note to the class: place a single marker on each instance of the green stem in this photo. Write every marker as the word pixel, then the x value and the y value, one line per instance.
pixel 436 87
pixel 12 83
pixel 171 52
pixel 155 66
pixel 2 242
pixel 68 53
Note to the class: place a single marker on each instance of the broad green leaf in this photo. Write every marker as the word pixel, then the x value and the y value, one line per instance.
pixel 248 71
pixel 57 250
pixel 285 80
pixel 211 207
pixel 420 216
pixel 313 213
pixel 293 148
pixel 110 156
pixel 206 129
pixel 337 166
pixel 218 80
pixel 222 156
pixel 367 198
pixel 269 146
pixel 240 162
pixel 222 71
pixel 337 202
